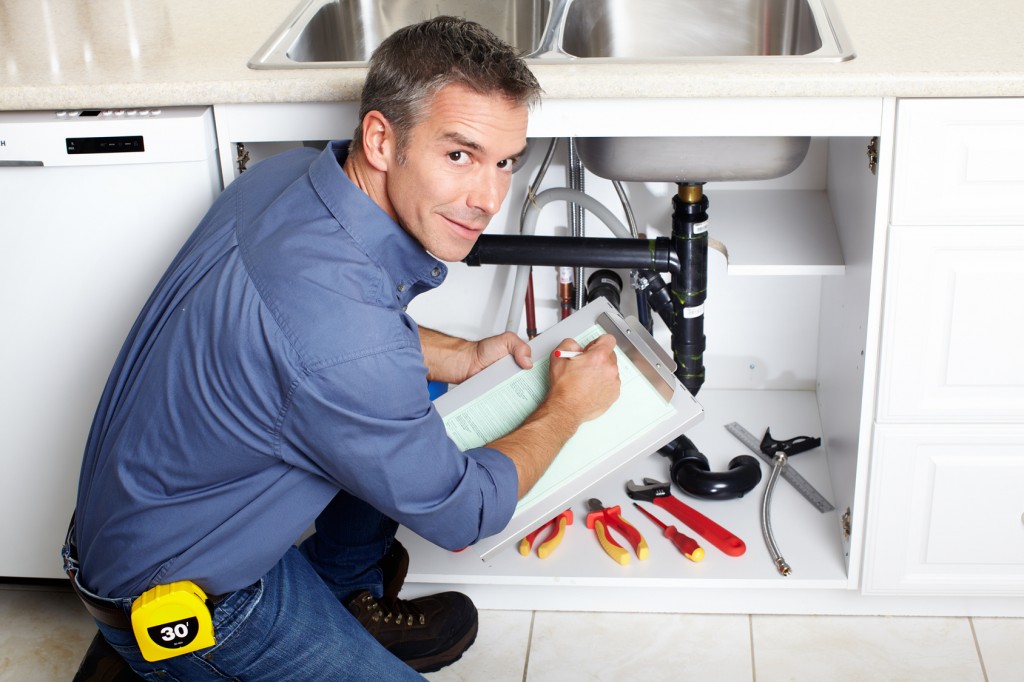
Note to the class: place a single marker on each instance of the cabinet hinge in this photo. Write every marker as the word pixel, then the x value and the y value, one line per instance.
pixel 873 155
pixel 847 521
pixel 241 157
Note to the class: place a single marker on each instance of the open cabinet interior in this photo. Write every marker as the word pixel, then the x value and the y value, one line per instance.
pixel 786 322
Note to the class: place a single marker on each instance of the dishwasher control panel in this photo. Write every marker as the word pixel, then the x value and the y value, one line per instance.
pixel 105 145
pixel 105 137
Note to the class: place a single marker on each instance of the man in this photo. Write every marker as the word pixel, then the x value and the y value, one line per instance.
pixel 274 379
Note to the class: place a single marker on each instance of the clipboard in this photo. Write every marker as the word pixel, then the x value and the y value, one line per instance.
pixel 650 373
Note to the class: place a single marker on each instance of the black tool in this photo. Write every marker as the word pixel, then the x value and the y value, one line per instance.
pixel 793 446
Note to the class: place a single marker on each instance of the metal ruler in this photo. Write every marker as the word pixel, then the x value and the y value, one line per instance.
pixel 788 472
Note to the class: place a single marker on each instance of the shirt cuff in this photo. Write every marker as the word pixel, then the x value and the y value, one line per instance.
pixel 499 499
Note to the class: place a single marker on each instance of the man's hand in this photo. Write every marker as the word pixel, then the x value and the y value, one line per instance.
pixel 585 385
pixel 453 360
pixel 494 348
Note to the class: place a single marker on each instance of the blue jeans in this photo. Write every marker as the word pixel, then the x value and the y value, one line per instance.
pixel 291 624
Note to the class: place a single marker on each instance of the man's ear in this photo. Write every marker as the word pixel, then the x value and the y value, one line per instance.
pixel 378 141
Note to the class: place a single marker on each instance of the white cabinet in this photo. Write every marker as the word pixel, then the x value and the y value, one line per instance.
pixel 946 504
pixel 959 162
pixel 947 511
pixel 954 325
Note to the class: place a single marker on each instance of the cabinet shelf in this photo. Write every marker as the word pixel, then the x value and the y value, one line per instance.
pixel 810 541
pixel 776 232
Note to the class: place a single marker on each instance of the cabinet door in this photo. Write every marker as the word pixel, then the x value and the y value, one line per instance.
pixel 946 511
pixel 959 162
pixel 953 326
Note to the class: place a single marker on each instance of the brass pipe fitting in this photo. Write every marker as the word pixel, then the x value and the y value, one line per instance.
pixel 691 193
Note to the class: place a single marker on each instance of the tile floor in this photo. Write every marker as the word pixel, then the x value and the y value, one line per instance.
pixel 45 632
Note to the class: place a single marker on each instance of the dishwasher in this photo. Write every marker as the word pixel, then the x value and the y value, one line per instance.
pixel 94 204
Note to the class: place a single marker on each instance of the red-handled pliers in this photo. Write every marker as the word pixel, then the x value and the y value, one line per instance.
pixel 554 539
pixel 602 519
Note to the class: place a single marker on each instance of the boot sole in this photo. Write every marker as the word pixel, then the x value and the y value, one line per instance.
pixel 429 664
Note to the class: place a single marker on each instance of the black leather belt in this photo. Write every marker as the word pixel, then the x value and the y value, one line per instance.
pixel 100 609
pixel 103 611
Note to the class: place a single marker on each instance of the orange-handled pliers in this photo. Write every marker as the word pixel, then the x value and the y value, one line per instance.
pixel 603 519
pixel 554 539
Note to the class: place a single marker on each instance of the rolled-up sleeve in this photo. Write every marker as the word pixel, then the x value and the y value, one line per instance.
pixel 367 423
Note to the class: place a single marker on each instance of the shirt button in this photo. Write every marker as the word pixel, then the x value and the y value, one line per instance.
pixel 401 288
pixel 436 272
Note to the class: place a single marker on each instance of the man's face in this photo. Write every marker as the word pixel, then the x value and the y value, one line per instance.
pixel 457 169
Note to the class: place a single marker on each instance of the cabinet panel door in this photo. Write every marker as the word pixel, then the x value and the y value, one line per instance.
pixel 946 511
pixel 953 325
pixel 959 162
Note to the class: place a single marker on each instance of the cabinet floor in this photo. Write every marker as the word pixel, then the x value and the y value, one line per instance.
pixel 46 632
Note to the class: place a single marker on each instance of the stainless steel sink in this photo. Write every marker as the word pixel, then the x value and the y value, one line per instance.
pixel 691 29
pixel 343 33
pixel 692 159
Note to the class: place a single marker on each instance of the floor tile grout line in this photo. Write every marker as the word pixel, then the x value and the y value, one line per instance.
pixel 977 648
pixel 529 644
pixel 753 658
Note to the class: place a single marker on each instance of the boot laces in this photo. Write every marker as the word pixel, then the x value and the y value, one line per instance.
pixel 402 612
pixel 387 610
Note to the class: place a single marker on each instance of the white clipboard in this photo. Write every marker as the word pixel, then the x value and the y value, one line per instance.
pixel 678 412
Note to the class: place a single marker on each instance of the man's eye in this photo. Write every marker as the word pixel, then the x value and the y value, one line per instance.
pixel 506 164
pixel 457 157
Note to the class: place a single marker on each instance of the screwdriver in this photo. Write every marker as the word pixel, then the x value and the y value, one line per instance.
pixel 684 543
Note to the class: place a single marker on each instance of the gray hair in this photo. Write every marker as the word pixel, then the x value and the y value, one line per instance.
pixel 413 64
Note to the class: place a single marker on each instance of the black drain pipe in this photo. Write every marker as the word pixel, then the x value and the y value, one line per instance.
pixel 593 252
pixel 690 284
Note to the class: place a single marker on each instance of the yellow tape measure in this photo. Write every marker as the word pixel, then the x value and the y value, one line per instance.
pixel 170 620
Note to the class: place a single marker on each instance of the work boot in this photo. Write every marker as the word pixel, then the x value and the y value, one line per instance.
pixel 427 633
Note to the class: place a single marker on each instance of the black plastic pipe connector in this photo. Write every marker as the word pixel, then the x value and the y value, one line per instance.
pixel 658 295
pixel 607 284
pixel 626 254
pixel 690 471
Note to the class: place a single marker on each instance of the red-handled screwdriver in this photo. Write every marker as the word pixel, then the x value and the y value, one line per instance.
pixel 684 543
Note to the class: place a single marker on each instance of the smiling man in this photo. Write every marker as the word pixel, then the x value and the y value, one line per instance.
pixel 274 380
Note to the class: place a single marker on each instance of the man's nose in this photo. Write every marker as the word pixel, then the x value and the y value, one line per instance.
pixel 489 191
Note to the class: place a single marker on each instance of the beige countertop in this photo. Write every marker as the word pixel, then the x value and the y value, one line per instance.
pixel 69 54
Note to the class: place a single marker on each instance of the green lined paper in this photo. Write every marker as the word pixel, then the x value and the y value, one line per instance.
pixel 638 409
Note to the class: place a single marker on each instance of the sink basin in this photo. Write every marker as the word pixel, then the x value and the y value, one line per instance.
pixel 691 159
pixel 343 33
pixel 688 29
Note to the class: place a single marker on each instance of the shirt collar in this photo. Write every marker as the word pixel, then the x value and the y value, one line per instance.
pixel 411 268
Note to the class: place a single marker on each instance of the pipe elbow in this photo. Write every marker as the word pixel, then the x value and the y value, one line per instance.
pixel 695 477
pixel 692 473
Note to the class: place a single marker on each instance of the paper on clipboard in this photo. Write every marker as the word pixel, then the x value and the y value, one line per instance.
pixel 652 409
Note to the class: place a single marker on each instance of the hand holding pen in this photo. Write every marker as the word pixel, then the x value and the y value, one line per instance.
pixel 585 381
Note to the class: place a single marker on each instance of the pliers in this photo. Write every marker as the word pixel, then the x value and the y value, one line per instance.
pixel 602 519
pixel 554 539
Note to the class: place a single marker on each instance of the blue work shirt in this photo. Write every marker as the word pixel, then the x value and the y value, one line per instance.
pixel 273 366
